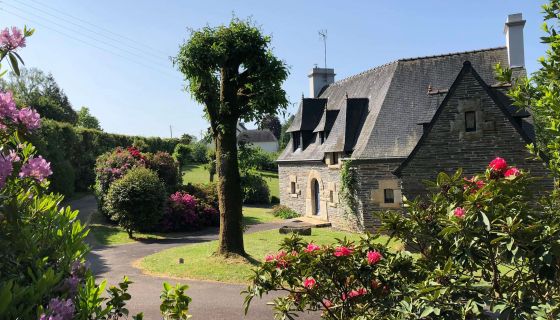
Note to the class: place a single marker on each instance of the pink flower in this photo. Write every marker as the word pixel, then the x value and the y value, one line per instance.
pixel 30 118
pixel 374 257
pixel 6 169
pixel 354 293
pixel 37 168
pixel 269 257
pixel 311 247
pixel 309 283
pixel 343 251
pixel 512 172
pixel 8 106
pixel 459 212
pixel 327 303
pixel 12 41
pixel 498 164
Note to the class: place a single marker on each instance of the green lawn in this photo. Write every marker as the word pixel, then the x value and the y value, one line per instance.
pixel 195 173
pixel 200 263
pixel 109 234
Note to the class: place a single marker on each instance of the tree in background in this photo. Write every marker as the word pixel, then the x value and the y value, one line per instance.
pixel 40 91
pixel 231 70
pixel 284 136
pixel 272 123
pixel 87 120
pixel 187 138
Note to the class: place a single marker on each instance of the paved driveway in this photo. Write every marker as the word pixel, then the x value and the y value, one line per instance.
pixel 211 300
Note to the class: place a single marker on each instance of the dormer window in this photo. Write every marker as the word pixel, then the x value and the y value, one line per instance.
pixel 296 137
pixel 470 121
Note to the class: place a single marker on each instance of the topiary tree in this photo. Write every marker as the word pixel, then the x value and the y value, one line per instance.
pixel 136 200
pixel 87 120
pixel 232 71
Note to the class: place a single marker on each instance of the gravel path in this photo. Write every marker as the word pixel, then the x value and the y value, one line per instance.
pixel 211 300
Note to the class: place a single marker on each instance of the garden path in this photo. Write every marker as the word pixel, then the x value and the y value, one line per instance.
pixel 211 300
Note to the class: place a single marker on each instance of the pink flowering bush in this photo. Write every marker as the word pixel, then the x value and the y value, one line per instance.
pixel 184 212
pixel 482 247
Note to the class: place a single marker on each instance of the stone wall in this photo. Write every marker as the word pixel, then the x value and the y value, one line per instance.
pixel 373 177
pixel 447 147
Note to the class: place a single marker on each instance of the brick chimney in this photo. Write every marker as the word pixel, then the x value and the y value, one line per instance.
pixel 514 40
pixel 318 79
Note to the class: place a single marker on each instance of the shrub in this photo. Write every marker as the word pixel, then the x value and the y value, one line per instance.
pixel 184 212
pixel 112 166
pixel 207 193
pixel 183 154
pixel 166 168
pixel 284 212
pixel 136 200
pixel 255 189
pixel 255 158
pixel 274 200
pixel 488 249
pixel 199 150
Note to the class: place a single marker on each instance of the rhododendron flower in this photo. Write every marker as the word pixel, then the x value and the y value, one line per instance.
pixel 354 293
pixel 269 257
pixel 343 251
pixel 30 118
pixel 374 257
pixel 459 212
pixel 12 41
pixel 6 169
pixel 512 172
pixel 327 303
pixel 498 164
pixel 281 262
pixel 309 283
pixel 8 107
pixel 312 247
pixel 477 184
pixel 13 156
pixel 59 310
pixel 37 168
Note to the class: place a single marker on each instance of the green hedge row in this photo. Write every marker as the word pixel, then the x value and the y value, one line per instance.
pixel 72 152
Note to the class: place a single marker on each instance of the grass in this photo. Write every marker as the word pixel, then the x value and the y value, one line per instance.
pixel 201 264
pixel 195 173
pixel 109 235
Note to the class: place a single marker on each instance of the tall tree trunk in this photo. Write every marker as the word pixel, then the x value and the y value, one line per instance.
pixel 229 191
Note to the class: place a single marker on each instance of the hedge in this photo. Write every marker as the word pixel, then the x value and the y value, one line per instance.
pixel 72 152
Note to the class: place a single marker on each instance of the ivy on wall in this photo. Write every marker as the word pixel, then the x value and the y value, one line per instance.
pixel 348 188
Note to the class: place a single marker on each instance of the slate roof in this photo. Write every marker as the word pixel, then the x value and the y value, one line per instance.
pixel 254 136
pixel 398 101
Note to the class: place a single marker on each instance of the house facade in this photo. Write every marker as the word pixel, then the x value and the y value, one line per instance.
pixel 399 124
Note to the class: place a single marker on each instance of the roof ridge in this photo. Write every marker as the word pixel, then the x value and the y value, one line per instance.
pixel 362 73
pixel 453 54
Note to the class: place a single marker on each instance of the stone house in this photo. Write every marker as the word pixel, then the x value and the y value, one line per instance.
pixel 264 139
pixel 400 124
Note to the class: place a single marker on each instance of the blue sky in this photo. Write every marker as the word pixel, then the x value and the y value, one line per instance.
pixel 113 56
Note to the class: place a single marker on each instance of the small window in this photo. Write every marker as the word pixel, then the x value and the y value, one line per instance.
pixel 389 196
pixel 296 138
pixel 470 121
pixel 334 158
pixel 293 187
pixel 331 196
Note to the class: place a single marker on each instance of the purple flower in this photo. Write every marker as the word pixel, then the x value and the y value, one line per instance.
pixel 59 310
pixel 8 106
pixel 6 169
pixel 37 168
pixel 12 41
pixel 30 118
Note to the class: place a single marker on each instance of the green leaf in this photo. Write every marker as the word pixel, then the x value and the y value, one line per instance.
pixel 14 63
pixel 427 312
pixel 485 221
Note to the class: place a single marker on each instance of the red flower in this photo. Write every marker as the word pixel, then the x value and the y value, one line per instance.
pixel 343 251
pixel 498 164
pixel 269 257
pixel 374 257
pixel 354 294
pixel 459 212
pixel 309 283
pixel 311 247
pixel 512 173
pixel 327 303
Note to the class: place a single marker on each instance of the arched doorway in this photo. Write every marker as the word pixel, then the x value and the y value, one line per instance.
pixel 316 199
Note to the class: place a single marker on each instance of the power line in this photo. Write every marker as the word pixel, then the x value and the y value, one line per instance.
pixel 83 35
pixel 139 47
pixel 96 26
pixel 89 44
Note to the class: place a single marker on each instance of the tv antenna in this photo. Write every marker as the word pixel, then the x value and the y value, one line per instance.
pixel 323 35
